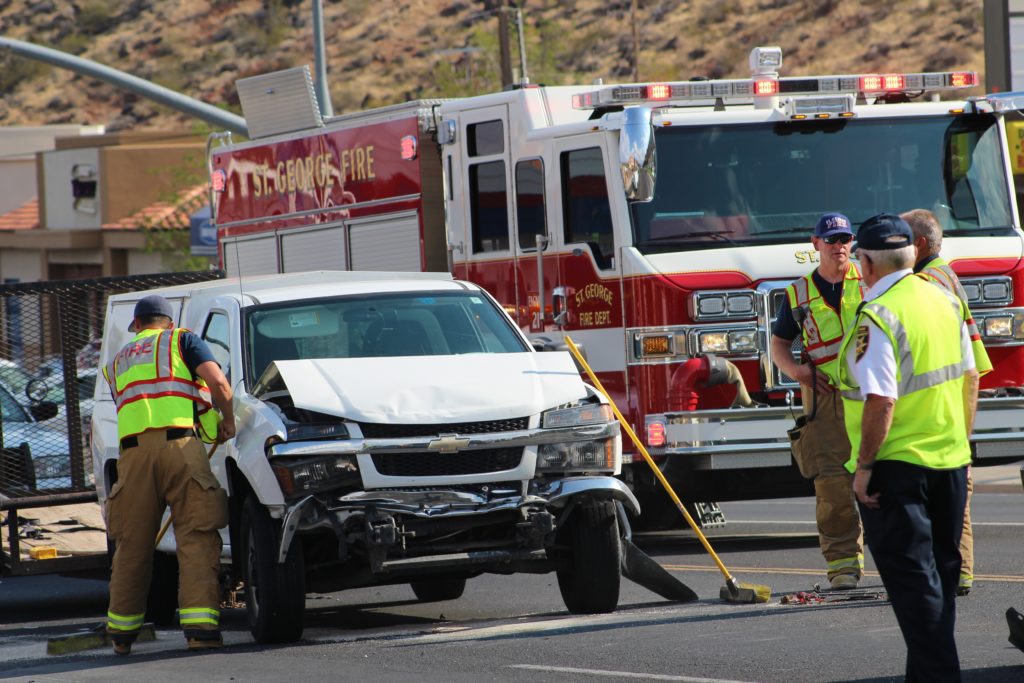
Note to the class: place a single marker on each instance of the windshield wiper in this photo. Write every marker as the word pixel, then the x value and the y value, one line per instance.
pixel 687 236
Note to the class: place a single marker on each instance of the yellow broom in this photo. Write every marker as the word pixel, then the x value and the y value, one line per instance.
pixel 731 591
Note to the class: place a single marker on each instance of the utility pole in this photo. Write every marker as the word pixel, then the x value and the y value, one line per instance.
pixel 636 42
pixel 506 52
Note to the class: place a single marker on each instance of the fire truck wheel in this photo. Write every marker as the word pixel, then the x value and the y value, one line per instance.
pixel 162 601
pixel 275 594
pixel 436 590
pixel 589 576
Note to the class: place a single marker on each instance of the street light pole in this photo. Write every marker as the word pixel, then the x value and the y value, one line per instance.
pixel 503 46
pixel 323 93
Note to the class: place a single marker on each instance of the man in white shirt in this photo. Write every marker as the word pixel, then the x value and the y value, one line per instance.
pixel 910 391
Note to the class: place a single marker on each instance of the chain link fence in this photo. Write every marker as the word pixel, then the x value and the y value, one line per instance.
pixel 50 336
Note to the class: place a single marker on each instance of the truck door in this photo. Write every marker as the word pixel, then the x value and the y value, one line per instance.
pixel 536 255
pixel 486 191
pixel 587 300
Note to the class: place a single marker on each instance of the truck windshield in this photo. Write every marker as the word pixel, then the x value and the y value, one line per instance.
pixel 768 183
pixel 394 324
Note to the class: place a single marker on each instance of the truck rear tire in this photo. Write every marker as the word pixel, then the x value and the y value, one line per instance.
pixel 590 575
pixel 437 590
pixel 275 594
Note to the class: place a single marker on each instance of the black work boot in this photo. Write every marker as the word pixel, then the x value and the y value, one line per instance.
pixel 1015 620
pixel 122 644
pixel 203 639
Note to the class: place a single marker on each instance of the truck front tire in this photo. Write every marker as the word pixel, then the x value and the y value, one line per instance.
pixel 590 573
pixel 275 594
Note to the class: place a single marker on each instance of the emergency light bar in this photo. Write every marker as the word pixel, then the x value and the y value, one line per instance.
pixel 683 91
pixel 766 83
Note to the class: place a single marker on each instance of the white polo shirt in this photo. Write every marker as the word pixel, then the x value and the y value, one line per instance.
pixel 875 370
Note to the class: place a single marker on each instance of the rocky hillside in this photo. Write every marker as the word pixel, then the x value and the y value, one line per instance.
pixel 386 51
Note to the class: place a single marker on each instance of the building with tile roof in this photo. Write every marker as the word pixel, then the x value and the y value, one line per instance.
pixel 104 204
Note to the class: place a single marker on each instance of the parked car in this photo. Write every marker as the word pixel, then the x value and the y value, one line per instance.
pixel 36 445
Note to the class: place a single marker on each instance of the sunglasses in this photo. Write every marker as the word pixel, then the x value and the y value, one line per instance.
pixel 842 238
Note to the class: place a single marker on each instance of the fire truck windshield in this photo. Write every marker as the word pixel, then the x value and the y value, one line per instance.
pixel 726 185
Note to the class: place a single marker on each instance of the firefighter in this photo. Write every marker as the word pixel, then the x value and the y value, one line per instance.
pixel 927 243
pixel 819 306
pixel 162 382
pixel 910 392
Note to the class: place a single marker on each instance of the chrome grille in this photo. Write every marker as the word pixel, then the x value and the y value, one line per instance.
pixel 774 378
pixel 374 430
pixel 430 464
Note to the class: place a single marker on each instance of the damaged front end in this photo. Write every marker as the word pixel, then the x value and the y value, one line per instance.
pixel 391 503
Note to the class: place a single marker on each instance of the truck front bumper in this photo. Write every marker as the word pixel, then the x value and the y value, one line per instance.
pixel 441 503
pixel 748 438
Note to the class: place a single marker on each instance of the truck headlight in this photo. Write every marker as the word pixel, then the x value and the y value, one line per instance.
pixel 998 326
pixel 589 414
pixel 576 456
pixel 713 305
pixel 308 475
pixel 742 340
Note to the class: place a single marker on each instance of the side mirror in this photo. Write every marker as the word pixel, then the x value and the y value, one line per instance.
pixel 637 154
pixel 44 410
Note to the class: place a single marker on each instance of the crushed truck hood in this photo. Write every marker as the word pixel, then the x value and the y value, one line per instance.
pixel 433 389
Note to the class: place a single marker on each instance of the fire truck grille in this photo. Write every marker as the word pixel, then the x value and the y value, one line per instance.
pixel 776 299
pixel 430 464
pixel 373 430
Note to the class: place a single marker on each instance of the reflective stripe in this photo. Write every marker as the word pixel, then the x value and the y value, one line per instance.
pixel 174 386
pixel 904 359
pixel 907 381
pixel 153 386
pixel 940 273
pixel 855 562
pixel 199 615
pixel 120 622
pixel 823 327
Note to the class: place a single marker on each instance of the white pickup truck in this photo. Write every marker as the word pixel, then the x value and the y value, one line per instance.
pixel 392 428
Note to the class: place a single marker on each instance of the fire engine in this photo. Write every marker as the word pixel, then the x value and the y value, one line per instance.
pixel 657 224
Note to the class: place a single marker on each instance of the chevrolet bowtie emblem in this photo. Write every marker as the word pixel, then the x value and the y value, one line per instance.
pixel 447 443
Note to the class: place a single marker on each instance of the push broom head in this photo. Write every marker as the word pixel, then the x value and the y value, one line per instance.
pixel 744 593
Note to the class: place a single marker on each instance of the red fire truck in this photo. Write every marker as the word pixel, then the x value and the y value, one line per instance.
pixel 657 224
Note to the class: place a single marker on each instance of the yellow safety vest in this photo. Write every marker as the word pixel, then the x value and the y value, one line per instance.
pixel 922 323
pixel 939 272
pixel 823 327
pixel 154 389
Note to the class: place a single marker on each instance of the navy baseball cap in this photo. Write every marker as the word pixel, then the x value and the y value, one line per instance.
pixel 154 304
pixel 832 224
pixel 884 231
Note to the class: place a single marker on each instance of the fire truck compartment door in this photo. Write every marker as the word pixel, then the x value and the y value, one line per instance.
pixel 248 256
pixel 320 248
pixel 390 244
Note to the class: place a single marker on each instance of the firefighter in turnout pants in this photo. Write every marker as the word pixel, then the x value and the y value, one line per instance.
pixel 820 307
pixel 162 383
pixel 928 263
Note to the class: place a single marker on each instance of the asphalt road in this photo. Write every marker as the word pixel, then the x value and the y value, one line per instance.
pixel 515 628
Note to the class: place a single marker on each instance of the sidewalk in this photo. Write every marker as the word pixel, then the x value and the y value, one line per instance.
pixel 999 479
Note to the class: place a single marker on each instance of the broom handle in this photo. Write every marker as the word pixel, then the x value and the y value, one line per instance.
pixel 170 517
pixel 647 457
